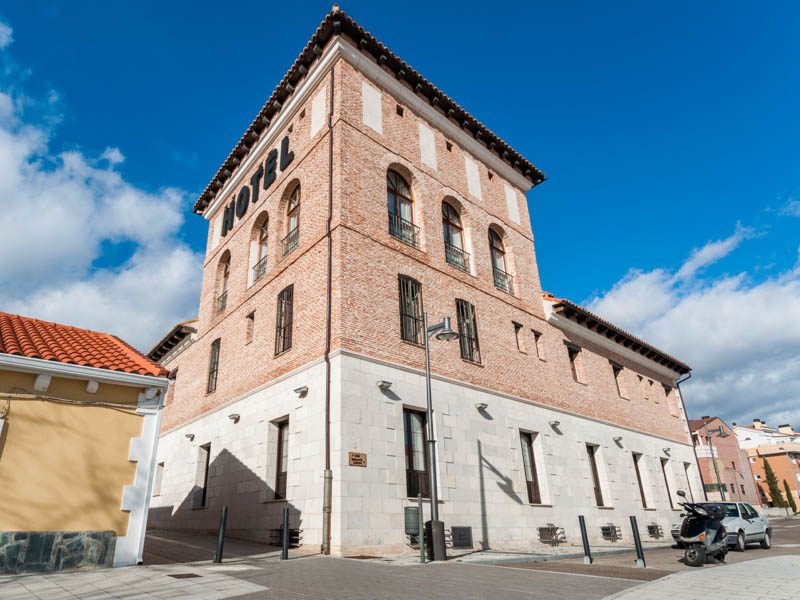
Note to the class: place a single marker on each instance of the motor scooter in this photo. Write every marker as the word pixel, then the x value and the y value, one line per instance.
pixel 702 532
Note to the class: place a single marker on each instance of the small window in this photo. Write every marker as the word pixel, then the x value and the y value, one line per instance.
pixel 538 341
pixel 201 481
pixel 399 110
pixel 664 463
pixel 410 309
pixel 619 379
pixel 636 459
pixel 644 387
pixel 449 146
pixel 249 327
pixel 282 460
pixel 574 354
pixel 758 477
pixel 529 464
pixel 688 485
pixel 157 477
pixel 283 320
pixel 416 438
pixel 213 366
pixel 591 452
pixel 519 336
pixel 468 331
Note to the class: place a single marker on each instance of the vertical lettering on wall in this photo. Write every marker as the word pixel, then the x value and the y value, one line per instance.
pixel 270 168
pixel 286 155
pixel 227 218
pixel 254 183
pixel 242 201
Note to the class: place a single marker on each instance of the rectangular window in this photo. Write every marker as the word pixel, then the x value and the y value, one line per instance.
pixel 619 378
pixel 410 309
pixel 213 366
pixel 636 459
pixel 664 462
pixel 644 387
pixel 529 462
pixel 574 353
pixel 157 477
pixel 416 453
pixel 519 336
pixel 539 344
pixel 468 331
pixel 715 487
pixel 201 479
pixel 283 320
pixel 282 460
pixel 249 327
pixel 742 486
pixel 688 485
pixel 598 491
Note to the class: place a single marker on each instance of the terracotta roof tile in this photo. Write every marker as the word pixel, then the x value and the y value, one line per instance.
pixel 23 336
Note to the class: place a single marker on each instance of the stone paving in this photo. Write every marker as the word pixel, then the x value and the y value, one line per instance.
pixel 773 578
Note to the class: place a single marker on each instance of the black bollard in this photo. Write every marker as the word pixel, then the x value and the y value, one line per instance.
pixel 421 530
pixel 285 535
pixel 587 552
pixel 637 540
pixel 221 539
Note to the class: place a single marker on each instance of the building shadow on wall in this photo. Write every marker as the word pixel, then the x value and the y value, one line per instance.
pixel 184 532
pixel 505 483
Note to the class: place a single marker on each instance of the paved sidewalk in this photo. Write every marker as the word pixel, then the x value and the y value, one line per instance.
pixel 775 578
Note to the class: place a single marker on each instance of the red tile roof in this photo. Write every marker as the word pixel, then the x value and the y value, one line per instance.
pixel 23 336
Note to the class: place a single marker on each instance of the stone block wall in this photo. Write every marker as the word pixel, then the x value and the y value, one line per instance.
pixel 47 551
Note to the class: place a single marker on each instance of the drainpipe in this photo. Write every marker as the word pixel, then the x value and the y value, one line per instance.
pixel 327 492
pixel 691 441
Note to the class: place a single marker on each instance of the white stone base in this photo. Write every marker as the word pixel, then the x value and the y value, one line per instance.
pixel 479 462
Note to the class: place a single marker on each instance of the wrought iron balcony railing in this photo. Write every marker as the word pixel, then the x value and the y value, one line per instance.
pixel 457 257
pixel 403 230
pixel 221 302
pixel 259 269
pixel 291 241
pixel 503 281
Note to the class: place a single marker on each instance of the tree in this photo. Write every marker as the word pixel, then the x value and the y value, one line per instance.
pixel 772 482
pixel 790 497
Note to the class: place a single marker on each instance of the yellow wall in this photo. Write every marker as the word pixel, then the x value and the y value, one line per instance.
pixel 63 467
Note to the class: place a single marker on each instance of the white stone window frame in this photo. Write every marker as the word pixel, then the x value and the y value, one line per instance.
pixel 646 472
pixel 539 454
pixel 271 470
pixel 602 473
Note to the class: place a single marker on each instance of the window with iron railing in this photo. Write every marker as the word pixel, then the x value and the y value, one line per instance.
pixel 213 366
pixel 416 453
pixel 503 281
pixel 221 302
pixel 403 230
pixel 456 257
pixel 283 320
pixel 291 241
pixel 468 331
pixel 410 292
pixel 259 269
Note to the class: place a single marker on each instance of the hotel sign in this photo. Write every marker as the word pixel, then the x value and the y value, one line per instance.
pixel 265 175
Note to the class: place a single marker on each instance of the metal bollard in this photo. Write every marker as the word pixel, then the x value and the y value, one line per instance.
pixel 285 535
pixel 221 539
pixel 421 531
pixel 637 540
pixel 587 552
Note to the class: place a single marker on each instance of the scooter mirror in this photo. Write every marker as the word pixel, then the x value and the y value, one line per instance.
pixel 681 493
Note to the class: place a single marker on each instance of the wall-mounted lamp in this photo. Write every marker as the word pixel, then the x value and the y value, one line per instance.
pixel 555 423
pixel 301 391
pixel 384 385
pixel 234 417
pixel 667 450
pixel 190 437
pixel 618 438
pixel 481 406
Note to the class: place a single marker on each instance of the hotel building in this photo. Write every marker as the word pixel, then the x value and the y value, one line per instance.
pixel 360 198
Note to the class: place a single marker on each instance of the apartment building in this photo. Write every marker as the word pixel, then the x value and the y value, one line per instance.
pixel 778 445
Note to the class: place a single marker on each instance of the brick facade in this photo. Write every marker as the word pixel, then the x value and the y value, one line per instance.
pixel 369 137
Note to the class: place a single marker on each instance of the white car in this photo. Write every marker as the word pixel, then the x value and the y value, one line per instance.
pixel 745 526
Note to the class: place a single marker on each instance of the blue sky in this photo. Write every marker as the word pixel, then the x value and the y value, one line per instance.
pixel 662 129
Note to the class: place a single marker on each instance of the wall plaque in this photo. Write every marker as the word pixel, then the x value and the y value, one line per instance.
pixel 358 459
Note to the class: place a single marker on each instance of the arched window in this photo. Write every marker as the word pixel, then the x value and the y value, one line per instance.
pixel 225 274
pixel 292 238
pixel 401 209
pixel 453 238
pixel 258 248
pixel 502 279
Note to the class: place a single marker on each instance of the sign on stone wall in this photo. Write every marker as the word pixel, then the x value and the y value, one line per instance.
pixel 358 459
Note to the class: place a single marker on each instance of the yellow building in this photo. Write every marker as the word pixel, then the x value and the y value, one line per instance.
pixel 79 418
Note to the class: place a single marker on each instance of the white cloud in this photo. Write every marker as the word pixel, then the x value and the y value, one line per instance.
pixel 6 35
pixel 60 212
pixel 791 208
pixel 742 338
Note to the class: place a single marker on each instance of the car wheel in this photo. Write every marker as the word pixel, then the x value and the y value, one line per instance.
pixel 740 544
pixel 766 543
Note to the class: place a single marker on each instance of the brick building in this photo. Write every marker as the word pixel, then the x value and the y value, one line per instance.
pixel 360 197
pixel 732 464
pixel 781 447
